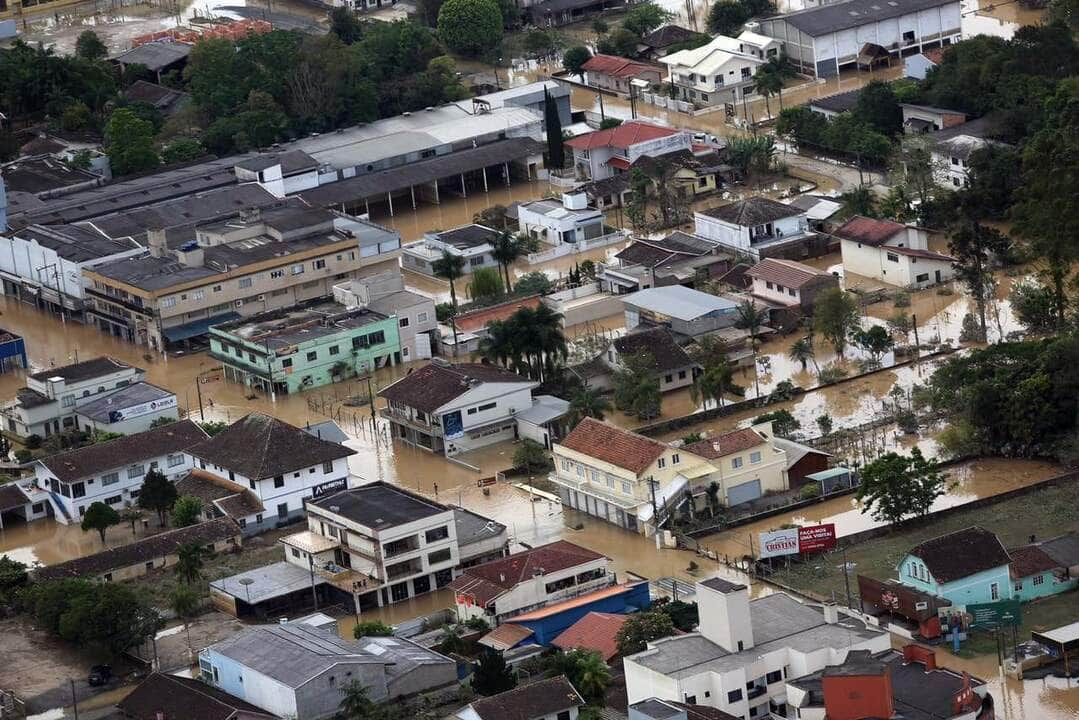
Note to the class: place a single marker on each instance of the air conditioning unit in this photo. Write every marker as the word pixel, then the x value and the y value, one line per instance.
pixel 261 297
pixel 239 303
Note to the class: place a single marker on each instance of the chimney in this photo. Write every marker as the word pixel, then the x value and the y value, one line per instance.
pixel 831 613
pixel 966 699
pixel 919 654
pixel 155 240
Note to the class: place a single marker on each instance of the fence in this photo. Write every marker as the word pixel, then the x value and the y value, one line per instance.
pixel 564 249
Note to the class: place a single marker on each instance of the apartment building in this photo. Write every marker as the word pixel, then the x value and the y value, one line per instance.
pixel 382 544
pixel 48 403
pixel 718 72
pixel 261 260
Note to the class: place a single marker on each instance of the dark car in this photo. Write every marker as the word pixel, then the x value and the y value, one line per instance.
pixel 99 675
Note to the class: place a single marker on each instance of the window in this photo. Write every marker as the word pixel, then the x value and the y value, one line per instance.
pixel 282 510
pixel 168 302
pixel 312 356
pixel 295 553
pixel 610 482
pixel 773 677
pixel 1039 580
pixel 286 363
pixel 476 261
pixel 482 408
pixel 681 374
pixel 908 36
pixel 566 465
pixel 110 479
pixel 892 257
pixel 319 264
pixel 734 695
pixel 736 463
pixel 746 73
pixel 627 488
pixel 661 463
pixel 276 274
pixel 279 481
pixel 924 277
pixel 436 534
pixel 198 294
pixel 245 282
pixel 78 490
pixel 327 467
pixel 403 322
pixel 704 97
pixel 791 292
pixel 136 471
pixel 994 591
pixel 297 269
pixel 668 378
pixel 691 699
pixel 675 459
pixel 421 317
pixel 955 161
pixel 438 556
pixel 217 288
pixel 68 400
pixel 113 500
pixel 755 457
pixel 1019 586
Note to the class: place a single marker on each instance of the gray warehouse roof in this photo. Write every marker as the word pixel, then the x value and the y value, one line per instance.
pixel 855 13
pixel 125 397
pixel 267 582
pixel 75 243
pixel 155 55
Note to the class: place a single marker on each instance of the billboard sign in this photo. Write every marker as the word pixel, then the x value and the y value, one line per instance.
pixel 141 409
pixel 994 615
pixel 778 543
pixel 808 539
pixel 816 538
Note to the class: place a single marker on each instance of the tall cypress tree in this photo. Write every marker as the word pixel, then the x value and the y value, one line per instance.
pixel 556 152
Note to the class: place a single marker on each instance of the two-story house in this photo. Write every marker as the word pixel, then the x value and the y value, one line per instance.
pixel 1045 567
pixel 499 590
pixel 383 544
pixel 746 464
pixel 569 220
pixel 450 409
pixel 892 253
pixel 966 566
pixel 718 72
pixel 47 404
pixel 789 283
pixel 677 259
pixel 616 475
pixel 610 72
pixel 550 699
pixel 473 243
pixel 674 367
pixel 760 227
pixel 743 651
pixel 282 464
pixel 299 670
pixel 604 153
pixel 112 472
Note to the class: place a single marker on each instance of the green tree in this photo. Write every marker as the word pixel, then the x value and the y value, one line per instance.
pixel 345 25
pixel 878 108
pixel 371 628
pixel 835 314
pixel 556 151
pixel 486 284
pixel 636 387
pixel 451 268
pixel 896 486
pixel 181 150
pixel 783 423
pixel 89 46
pixel 587 402
pixel 491 674
pixel 355 705
pixel 685 616
pixel 184 601
pixel 190 559
pixel 824 422
pixel 107 617
pixel 641 628
pixel 876 340
pixel 100 517
pixel 470 27
pixel 1034 305
pixel 586 671
pixel 767 83
pixel 157 494
pixel 77 116
pixel 575 58
pixel 187 510
pixel 752 319
pixel 533 283
pixel 530 456
pixel 620 42
pixel 802 351
pixel 543 44
pixel 780 67
pixel 727 17
pixel 600 26
pixel 212 427
pixel 974 247
pixel 713 383
pixel 129 142
pixel 645 17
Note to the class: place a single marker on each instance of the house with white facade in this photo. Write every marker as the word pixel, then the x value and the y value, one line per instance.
pixel 892 253
pixel 112 472
pixel 674 367
pixel 760 227
pixel 382 544
pixel 787 283
pixel 743 652
pixel 451 408
pixel 686 312
pixel 127 410
pixel 298 670
pixel 745 465
pixel 953 149
pixel 474 243
pixel 385 293
pixel 48 403
pixel 718 72
pixel 550 699
pixel 604 153
pixel 282 464
pixel 822 40
pixel 224 498
pixel 567 220
pixel 610 72
pixel 540 576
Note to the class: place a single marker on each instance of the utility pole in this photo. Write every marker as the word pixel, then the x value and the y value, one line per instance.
pixel 74 699
pixel 198 391
pixel 314 589
pixel 846 577
pixel 602 115
pixel 917 343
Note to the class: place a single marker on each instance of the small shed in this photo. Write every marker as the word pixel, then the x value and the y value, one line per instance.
pixel 1063 642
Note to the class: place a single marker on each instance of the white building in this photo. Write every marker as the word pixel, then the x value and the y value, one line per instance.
pixel 555 222
pixel 720 71
pixel 603 153
pixel 48 403
pixel 280 463
pixel 757 226
pixel 112 472
pixel 382 544
pixel 550 699
pixel 954 147
pixel 892 253
pixel 128 410
pixel 455 408
pixel 499 590
pixel 820 41
pixel 743 652
pixel 385 293
pixel 787 283
pixel 473 243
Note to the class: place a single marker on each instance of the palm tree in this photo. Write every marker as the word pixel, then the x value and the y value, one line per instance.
pixel 506 250
pixel 184 601
pixel 355 705
pixel 767 83
pixel 752 319
pixel 500 345
pixel 780 67
pixel 189 562
pixel 712 384
pixel 802 351
pixel 451 268
pixel 592 675
pixel 859 201
pixel 552 340
pixel 587 402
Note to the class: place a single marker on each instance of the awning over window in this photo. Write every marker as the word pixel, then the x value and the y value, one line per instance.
pixel 198 327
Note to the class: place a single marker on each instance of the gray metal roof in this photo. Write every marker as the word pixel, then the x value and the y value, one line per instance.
pixel 75 243
pixel 268 582
pixel 854 13
pixel 545 408
pixel 390 304
pixel 840 102
pixel 379 505
pixel 327 430
pixel 679 302
pixel 155 55
pixel 473 527
pixel 136 394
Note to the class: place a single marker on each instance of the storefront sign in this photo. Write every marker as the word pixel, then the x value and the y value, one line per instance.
pixel 994 615
pixel 816 538
pixel 811 538
pixel 330 487
pixel 779 542
pixel 142 409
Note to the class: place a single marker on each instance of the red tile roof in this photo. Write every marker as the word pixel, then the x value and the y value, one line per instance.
pixel 595 631
pixel 726 444
pixel 483 583
pixel 618 162
pixel 617 66
pixel 620 448
pixel 506 636
pixel 927 254
pixel 787 273
pixel 586 599
pixel 869 231
pixel 1029 560
pixel 623 136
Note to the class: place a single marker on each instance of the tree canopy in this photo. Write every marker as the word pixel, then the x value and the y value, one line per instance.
pixel 107 616
pixel 100 517
pixel 157 494
pixel 896 486
pixel 470 27
pixel 641 628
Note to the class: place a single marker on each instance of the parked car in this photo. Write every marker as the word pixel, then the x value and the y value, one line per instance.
pixel 99 675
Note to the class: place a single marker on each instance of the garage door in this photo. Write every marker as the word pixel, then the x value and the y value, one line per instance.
pixel 738 494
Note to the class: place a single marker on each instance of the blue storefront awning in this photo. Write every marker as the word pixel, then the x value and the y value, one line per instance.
pixel 198 327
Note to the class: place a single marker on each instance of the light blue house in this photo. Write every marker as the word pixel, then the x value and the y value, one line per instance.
pixel 1045 568
pixel 966 566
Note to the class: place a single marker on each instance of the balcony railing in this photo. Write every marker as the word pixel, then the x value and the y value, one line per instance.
pixel 402 417
pixel 393 572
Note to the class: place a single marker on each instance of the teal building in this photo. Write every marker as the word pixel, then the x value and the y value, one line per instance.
pixel 295 349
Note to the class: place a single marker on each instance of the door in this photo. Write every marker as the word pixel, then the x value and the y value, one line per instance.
pixel 423 347
pixel 938 276
pixel 738 494
pixel 994 591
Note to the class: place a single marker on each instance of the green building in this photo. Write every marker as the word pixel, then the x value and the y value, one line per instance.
pixel 305 346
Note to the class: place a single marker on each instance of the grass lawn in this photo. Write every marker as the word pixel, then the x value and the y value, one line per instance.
pixel 1045 513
